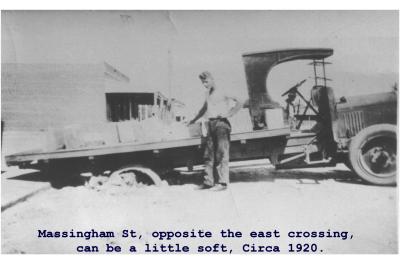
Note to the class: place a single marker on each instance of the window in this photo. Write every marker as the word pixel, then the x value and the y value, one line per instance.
pixel 124 106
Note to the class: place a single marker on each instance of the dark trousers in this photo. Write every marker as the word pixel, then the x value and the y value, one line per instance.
pixel 216 154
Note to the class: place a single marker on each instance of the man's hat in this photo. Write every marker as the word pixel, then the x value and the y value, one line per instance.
pixel 204 75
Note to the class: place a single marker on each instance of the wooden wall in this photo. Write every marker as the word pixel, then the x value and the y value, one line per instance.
pixel 39 96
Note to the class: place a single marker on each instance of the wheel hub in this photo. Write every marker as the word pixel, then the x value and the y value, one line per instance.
pixel 380 160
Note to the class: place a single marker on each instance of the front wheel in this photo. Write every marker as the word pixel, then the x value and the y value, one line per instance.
pixel 372 154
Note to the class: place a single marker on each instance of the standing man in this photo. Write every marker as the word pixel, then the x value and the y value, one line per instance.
pixel 217 109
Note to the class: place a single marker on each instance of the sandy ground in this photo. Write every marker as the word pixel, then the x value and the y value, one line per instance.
pixel 18 185
pixel 259 199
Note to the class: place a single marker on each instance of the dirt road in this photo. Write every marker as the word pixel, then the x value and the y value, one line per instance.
pixel 259 199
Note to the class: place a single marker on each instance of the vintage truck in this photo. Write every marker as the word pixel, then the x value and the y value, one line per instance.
pixel 359 131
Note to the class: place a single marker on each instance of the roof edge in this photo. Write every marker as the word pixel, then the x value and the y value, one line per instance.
pixel 288 50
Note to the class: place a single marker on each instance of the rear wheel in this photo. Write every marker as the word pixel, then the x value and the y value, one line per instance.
pixel 142 174
pixel 372 154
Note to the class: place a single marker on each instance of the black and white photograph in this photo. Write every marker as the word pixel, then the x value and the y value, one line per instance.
pixel 199 131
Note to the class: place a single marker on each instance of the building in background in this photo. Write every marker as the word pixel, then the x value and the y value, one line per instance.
pixel 178 109
pixel 122 106
pixel 38 98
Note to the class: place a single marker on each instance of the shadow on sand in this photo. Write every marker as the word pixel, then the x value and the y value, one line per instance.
pixel 32 176
pixel 300 176
pixel 266 174
pixel 56 182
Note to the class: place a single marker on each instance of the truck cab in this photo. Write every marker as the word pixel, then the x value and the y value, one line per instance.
pixel 359 131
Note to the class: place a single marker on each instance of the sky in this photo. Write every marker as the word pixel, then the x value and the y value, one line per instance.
pixel 166 50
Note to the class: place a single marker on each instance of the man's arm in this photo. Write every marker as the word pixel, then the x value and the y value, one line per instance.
pixel 200 114
pixel 236 108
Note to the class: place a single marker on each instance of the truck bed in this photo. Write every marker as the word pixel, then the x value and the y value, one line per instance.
pixel 133 147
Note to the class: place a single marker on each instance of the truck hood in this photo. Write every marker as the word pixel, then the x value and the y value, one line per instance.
pixel 370 99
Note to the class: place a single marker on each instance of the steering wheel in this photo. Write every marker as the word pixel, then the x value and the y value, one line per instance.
pixel 294 88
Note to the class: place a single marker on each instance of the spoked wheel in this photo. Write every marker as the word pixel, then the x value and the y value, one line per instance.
pixel 136 175
pixel 372 154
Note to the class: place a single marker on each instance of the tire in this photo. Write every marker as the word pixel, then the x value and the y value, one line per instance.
pixel 372 154
pixel 143 174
